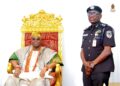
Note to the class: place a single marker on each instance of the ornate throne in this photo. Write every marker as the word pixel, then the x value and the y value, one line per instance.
pixel 50 28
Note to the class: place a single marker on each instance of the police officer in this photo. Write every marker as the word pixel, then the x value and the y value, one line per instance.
pixel 96 54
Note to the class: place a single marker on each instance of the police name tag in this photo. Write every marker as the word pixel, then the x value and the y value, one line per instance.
pixel 94 43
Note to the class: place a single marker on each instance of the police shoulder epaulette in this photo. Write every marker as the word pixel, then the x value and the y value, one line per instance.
pixel 103 24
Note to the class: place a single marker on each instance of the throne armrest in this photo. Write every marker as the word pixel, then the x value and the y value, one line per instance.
pixel 9 68
pixel 58 75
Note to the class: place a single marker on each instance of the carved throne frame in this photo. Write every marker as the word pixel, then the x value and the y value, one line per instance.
pixel 50 28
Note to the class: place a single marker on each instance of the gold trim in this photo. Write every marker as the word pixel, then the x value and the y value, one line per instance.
pixel 41 30
pixel 23 40
pixel 60 45
pixel 42 22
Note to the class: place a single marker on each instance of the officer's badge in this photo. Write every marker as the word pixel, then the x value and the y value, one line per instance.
pixel 97 32
pixel 92 7
pixel 109 34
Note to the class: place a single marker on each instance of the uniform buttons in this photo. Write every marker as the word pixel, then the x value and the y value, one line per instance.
pixel 89 40
pixel 88 54
pixel 88 47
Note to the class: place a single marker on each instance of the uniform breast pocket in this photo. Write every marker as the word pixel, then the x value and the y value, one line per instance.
pixel 84 38
pixel 99 40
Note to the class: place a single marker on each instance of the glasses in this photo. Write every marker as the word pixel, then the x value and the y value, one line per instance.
pixel 35 38
pixel 93 13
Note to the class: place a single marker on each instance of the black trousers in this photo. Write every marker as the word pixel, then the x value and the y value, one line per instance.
pixel 97 79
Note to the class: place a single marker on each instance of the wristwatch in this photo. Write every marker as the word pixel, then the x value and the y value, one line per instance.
pixel 92 65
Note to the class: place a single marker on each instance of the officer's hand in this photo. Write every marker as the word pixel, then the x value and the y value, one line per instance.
pixel 88 71
pixel 88 68
pixel 87 64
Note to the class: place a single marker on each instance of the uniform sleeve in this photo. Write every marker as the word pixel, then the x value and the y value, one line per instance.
pixel 82 40
pixel 13 57
pixel 108 39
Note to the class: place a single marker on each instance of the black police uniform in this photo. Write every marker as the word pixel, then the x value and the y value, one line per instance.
pixel 94 39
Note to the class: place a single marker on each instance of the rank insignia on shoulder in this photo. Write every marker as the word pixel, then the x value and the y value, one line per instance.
pixel 109 34
pixel 103 24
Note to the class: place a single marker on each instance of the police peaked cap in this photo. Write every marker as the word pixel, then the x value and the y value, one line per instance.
pixel 96 8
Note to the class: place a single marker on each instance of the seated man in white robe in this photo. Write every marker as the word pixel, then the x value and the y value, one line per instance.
pixel 31 63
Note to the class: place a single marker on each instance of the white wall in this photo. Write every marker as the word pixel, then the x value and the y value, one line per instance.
pixel 75 20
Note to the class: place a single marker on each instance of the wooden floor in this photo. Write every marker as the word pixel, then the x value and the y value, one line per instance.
pixel 114 84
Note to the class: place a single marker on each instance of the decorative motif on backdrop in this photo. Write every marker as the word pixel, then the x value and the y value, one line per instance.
pixel 112 8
